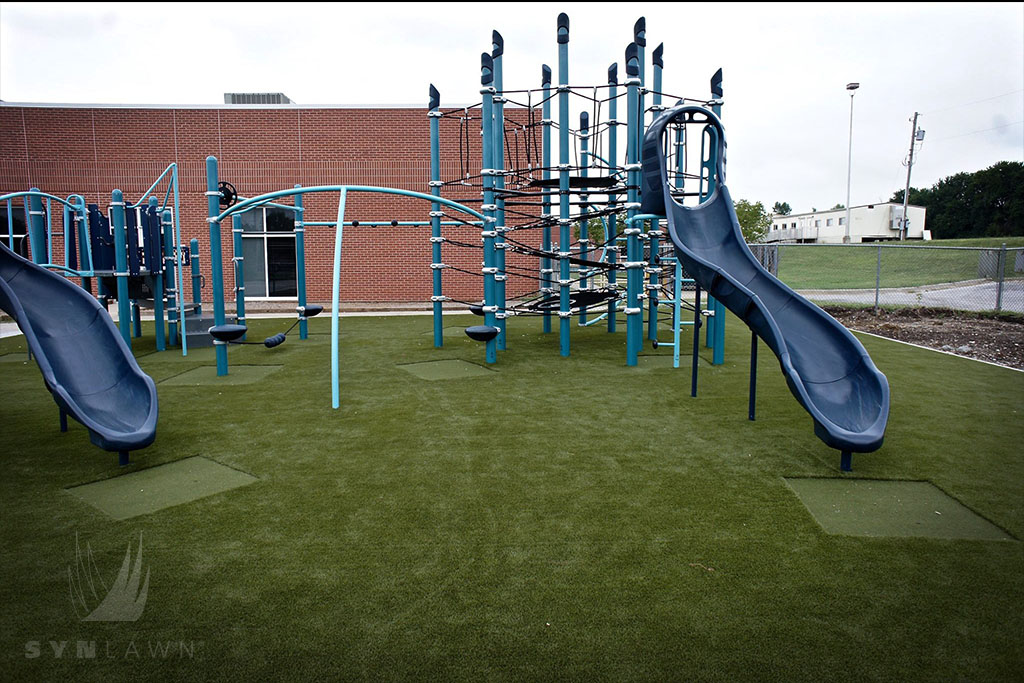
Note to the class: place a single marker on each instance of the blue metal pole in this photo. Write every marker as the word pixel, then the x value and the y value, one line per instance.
pixel 49 232
pixel 124 315
pixel 437 297
pixel 563 184
pixel 613 160
pixel 69 237
pixel 716 330
pixel 238 258
pixel 216 267
pixel 300 264
pixel 546 272
pixel 197 278
pixel 640 38
pixel 488 233
pixel 157 279
pixel 176 250
pixel 634 262
pixel 169 274
pixel 653 269
pixel 497 50
pixel 584 228
pixel 336 300
pixel 36 228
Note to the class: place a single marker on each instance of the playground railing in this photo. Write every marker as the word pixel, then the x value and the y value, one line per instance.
pixel 881 275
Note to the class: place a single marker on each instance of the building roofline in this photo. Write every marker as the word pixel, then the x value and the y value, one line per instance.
pixel 843 210
pixel 291 105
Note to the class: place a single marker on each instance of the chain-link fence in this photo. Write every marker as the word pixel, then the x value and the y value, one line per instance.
pixel 876 275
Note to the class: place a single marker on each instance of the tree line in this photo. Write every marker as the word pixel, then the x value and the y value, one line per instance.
pixel 986 203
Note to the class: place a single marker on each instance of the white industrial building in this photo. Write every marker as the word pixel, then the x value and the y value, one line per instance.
pixel 868 223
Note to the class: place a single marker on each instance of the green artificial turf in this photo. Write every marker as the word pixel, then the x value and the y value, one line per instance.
pixel 445 369
pixel 560 518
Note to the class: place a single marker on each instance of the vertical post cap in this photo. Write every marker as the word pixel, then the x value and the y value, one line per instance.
pixel 613 74
pixel 632 60
pixel 435 100
pixel 497 44
pixel 656 58
pixel 716 84
pixel 563 28
pixel 640 32
pixel 486 69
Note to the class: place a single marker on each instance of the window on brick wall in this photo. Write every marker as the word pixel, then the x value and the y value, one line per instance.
pixel 14 228
pixel 268 249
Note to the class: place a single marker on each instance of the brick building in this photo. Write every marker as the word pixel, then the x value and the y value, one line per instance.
pixel 93 149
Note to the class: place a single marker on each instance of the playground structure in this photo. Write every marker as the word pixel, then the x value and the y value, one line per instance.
pixel 832 377
pixel 86 361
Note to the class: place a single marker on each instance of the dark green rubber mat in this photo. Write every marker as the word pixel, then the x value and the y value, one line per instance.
pixel 871 507
pixel 163 486
pixel 207 375
pixel 446 369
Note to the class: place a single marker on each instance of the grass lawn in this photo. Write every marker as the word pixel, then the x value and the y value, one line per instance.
pixel 553 518
pixel 855 266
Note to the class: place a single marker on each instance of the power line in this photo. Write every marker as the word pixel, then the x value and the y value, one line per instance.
pixel 967 104
pixel 983 130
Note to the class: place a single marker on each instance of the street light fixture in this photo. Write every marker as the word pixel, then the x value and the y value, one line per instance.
pixel 852 87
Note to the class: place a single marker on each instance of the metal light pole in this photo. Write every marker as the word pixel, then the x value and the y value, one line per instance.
pixel 852 87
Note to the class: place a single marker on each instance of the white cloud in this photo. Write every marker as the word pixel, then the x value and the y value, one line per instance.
pixel 785 66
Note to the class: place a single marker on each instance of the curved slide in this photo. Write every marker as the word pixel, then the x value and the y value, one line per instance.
pixel 825 366
pixel 86 365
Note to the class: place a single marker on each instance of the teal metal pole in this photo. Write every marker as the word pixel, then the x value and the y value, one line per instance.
pixel 653 269
pixel 715 335
pixel 437 297
pixel 159 322
pixel 169 273
pixel 634 256
pixel 612 237
pixel 124 315
pixel 336 300
pixel 584 228
pixel 640 38
pixel 238 258
pixel 197 278
pixel 69 236
pixel 36 228
pixel 300 264
pixel 177 248
pixel 216 266
pixel 563 184
pixel 497 50
pixel 547 288
pixel 488 233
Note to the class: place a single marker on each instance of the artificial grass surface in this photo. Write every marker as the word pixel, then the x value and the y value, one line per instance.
pixel 566 518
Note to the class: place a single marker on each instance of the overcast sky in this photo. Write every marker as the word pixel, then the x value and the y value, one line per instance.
pixel 785 71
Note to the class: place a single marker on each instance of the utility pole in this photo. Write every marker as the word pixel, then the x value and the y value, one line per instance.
pixel 915 135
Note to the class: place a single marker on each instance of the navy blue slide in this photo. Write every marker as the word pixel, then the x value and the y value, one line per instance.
pixel 825 366
pixel 86 365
